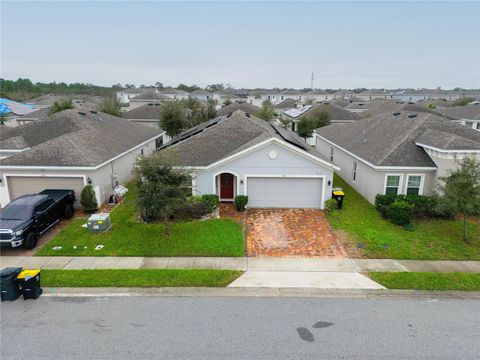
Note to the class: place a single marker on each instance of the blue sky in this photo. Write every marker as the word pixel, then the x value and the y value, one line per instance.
pixel 246 44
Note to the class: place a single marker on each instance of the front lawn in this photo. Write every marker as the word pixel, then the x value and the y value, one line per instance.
pixel 368 234
pixel 138 278
pixel 128 237
pixel 428 281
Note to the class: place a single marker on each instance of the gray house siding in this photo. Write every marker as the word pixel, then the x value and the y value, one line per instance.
pixel 287 163
pixel 368 181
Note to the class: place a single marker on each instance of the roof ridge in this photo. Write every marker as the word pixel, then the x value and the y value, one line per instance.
pixel 401 141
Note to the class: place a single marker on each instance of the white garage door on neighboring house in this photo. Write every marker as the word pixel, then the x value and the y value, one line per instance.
pixel 21 185
pixel 285 192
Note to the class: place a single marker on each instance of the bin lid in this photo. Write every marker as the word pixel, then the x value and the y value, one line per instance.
pixel 339 193
pixel 28 273
pixel 9 271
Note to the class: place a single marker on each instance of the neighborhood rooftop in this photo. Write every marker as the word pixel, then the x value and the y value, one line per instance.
pixel 391 140
pixel 226 135
pixel 73 138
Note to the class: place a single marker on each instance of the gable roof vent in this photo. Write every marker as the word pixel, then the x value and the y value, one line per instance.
pixel 411 116
pixel 396 113
pixel 229 114
pixel 82 113
pixel 247 114
pixel 94 111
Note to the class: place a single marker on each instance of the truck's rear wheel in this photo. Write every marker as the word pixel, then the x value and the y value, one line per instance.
pixel 30 241
pixel 68 211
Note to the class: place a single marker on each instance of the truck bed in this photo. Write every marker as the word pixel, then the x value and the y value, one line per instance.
pixel 58 194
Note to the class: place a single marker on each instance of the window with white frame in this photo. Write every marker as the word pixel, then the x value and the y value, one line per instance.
pixel 354 174
pixel 414 182
pixel 392 186
pixel 331 154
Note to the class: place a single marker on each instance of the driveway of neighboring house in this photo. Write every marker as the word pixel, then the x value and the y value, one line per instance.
pixel 290 233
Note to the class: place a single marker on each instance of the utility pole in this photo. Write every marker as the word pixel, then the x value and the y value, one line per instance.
pixel 311 84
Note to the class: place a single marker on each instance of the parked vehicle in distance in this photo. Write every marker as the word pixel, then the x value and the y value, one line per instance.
pixel 27 217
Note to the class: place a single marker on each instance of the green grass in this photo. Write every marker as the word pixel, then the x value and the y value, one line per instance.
pixel 435 239
pixel 428 280
pixel 128 237
pixel 138 278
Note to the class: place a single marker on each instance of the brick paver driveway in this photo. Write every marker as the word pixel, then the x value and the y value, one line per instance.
pixel 290 232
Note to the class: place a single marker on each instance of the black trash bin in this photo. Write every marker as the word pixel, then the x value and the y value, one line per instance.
pixel 29 281
pixel 338 195
pixel 8 283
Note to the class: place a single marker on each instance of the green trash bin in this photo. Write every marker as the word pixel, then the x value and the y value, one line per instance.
pixel 29 281
pixel 9 288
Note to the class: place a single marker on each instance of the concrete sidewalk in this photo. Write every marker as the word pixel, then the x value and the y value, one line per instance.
pixel 240 263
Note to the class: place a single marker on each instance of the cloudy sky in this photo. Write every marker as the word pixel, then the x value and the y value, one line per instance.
pixel 246 44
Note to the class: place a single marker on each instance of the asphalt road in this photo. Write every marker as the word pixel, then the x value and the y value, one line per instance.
pixel 239 328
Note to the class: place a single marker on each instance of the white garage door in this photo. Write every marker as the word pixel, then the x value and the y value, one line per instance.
pixel 284 192
pixel 21 185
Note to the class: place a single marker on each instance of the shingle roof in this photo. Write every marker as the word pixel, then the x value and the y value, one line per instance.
pixel 336 112
pixel 286 104
pixel 224 136
pixel 147 111
pixel 69 138
pixel 388 140
pixel 246 107
pixel 470 112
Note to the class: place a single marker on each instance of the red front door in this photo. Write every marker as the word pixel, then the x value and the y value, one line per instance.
pixel 226 186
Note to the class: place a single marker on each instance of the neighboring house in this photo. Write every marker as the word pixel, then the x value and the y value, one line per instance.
pixel 368 95
pixel 337 113
pixel 175 94
pixel 70 150
pixel 124 95
pixel 396 154
pixel 147 98
pixel 37 115
pixel 147 114
pixel 202 95
pixel 286 104
pixel 468 115
pixel 238 105
pixel 241 154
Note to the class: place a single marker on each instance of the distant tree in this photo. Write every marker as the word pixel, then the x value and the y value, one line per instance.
pixel 172 118
pixel 266 112
pixel 210 110
pixel 215 87
pixel 109 105
pixel 309 101
pixel 460 191
pixel 159 85
pixel 129 86
pixel 61 105
pixel 187 88
pixel 321 119
pixel 160 182
pixel 3 119
pixel 463 101
pixel 227 102
pixel 305 127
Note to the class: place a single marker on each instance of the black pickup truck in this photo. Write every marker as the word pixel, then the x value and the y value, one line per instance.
pixel 24 219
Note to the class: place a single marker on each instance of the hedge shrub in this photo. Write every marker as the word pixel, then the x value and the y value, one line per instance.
pixel 400 212
pixel 241 202
pixel 330 205
pixel 88 200
pixel 211 200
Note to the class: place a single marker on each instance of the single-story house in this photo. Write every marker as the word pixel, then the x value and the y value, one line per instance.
pixel 396 153
pixel 69 150
pixel 240 154
pixel 147 114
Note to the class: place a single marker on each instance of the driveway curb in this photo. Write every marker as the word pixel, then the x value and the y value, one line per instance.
pixel 259 292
